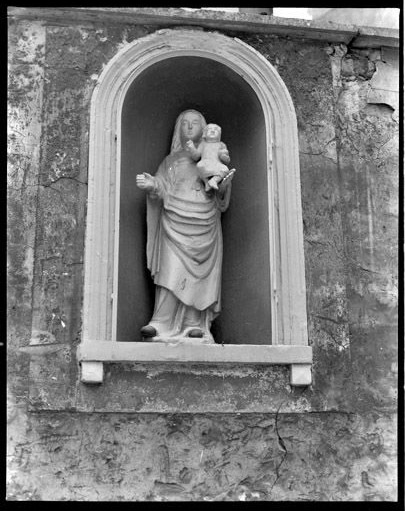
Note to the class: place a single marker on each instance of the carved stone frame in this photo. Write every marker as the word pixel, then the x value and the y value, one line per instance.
pixel 287 272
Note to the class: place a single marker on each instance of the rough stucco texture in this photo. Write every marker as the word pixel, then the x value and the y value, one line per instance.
pixel 343 450
pixel 117 457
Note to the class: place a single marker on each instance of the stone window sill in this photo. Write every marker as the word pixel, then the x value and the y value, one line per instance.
pixel 92 355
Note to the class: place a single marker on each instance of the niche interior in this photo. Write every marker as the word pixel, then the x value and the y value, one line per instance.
pixel 153 102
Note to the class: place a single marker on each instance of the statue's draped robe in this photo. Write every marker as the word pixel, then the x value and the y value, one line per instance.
pixel 184 246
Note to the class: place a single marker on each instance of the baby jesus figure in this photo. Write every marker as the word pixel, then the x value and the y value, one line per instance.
pixel 211 152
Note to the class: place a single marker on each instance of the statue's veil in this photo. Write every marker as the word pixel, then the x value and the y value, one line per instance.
pixel 176 140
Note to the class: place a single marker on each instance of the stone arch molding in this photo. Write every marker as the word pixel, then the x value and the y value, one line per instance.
pixel 288 300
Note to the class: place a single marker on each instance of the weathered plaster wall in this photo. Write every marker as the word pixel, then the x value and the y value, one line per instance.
pixel 321 456
pixel 349 181
pixel 345 449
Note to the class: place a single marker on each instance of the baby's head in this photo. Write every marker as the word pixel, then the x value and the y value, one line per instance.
pixel 212 133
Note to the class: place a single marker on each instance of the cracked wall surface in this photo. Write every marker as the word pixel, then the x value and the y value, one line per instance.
pixel 211 457
pixel 346 103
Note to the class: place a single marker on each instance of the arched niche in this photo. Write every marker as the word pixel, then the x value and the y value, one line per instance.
pixel 151 106
pixel 276 172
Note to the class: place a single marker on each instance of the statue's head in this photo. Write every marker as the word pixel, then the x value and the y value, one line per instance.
pixel 212 133
pixel 189 126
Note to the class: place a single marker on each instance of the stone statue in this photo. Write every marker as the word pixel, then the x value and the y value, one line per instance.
pixel 184 244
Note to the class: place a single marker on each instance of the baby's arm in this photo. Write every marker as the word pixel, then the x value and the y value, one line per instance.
pixel 195 152
pixel 223 153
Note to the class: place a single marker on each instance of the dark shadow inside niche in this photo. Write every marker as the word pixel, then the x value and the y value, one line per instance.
pixel 153 102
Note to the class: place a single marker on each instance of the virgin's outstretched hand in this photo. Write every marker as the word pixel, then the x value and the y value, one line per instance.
pixel 145 181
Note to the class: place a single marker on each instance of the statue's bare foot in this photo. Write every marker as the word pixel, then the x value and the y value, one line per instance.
pixel 213 184
pixel 148 331
pixel 196 332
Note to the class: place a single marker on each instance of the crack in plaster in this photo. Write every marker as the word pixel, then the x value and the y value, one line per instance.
pixel 330 319
pixel 48 185
pixel 282 445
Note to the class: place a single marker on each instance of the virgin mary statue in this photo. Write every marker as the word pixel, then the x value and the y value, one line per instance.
pixel 184 243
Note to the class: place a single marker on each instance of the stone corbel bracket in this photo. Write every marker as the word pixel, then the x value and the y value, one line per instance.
pixel 92 356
